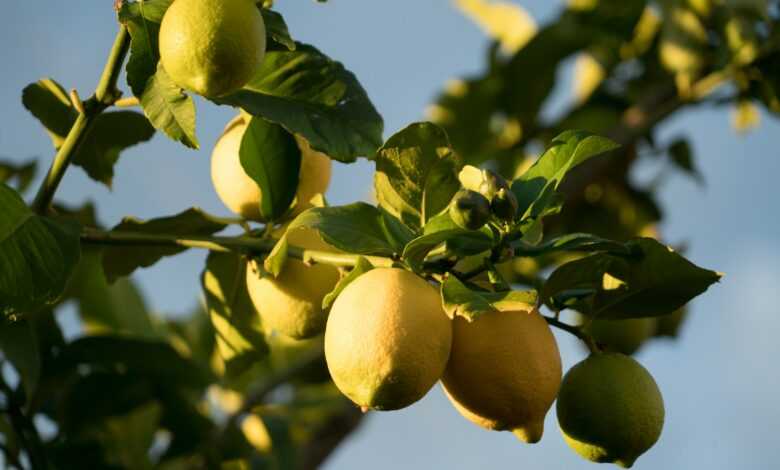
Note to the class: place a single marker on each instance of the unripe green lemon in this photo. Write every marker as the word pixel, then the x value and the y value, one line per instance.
pixel 212 47
pixel 623 336
pixel 469 209
pixel 292 302
pixel 504 371
pixel 239 192
pixel 610 409
pixel 387 340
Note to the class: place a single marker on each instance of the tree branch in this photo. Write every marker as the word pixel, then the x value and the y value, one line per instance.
pixel 576 331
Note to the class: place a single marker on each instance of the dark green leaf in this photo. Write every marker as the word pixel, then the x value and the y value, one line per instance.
pixel 169 109
pixel 682 157
pixel 37 256
pixel 143 23
pixel 276 30
pixel 240 338
pixel 442 229
pixel 361 267
pixel 110 134
pixel 416 173
pixel 271 157
pixel 580 242
pixel 357 228
pixel 22 173
pixel 459 300
pixel 653 281
pixel 19 345
pixel 535 189
pixel 150 358
pixel 313 96
pixel 123 260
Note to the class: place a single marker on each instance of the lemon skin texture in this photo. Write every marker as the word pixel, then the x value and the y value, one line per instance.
pixel 239 192
pixel 291 303
pixel 212 47
pixel 504 371
pixel 387 340
pixel 610 409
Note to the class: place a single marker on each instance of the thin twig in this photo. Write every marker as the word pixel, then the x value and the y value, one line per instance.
pixel 574 330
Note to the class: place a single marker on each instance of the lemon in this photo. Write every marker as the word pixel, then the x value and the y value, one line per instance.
pixel 239 192
pixel 623 336
pixel 212 47
pixel 292 303
pixel 610 409
pixel 504 371
pixel 387 339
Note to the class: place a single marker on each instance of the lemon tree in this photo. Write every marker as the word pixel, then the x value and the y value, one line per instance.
pixel 491 219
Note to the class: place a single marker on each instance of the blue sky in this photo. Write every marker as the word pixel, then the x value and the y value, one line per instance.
pixel 718 382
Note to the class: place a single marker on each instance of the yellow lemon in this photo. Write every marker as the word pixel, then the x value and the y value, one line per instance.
pixel 292 303
pixel 387 339
pixel 610 409
pixel 239 192
pixel 504 371
pixel 212 47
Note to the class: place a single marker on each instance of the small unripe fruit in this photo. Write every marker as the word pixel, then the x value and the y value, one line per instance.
pixel 504 204
pixel 492 183
pixel 469 209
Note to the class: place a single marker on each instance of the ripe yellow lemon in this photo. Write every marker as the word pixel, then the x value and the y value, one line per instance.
pixel 504 371
pixel 610 409
pixel 292 303
pixel 241 194
pixel 387 339
pixel 212 47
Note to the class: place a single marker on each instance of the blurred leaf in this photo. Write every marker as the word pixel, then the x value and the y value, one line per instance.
pixel 150 358
pixel 745 116
pixel 311 95
pixel 22 173
pixel 535 189
pixel 505 22
pixel 459 300
pixel 121 261
pixel 358 228
pixel 169 109
pixel 682 157
pixel 38 256
pixel 276 30
pixel 274 262
pixel 110 134
pixel 19 345
pixel 271 157
pixel 128 438
pixel 143 23
pixel 361 267
pixel 416 173
pixel 654 281
pixel 239 334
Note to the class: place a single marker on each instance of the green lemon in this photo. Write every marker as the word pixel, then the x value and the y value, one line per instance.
pixel 623 336
pixel 212 47
pixel 610 409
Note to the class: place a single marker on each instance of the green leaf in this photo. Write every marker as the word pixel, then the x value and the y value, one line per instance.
pixel 653 281
pixel 271 157
pixel 169 108
pixel 150 358
pixel 37 256
pixel 356 228
pixel 579 242
pixel 121 261
pixel 313 96
pixel 127 439
pixel 416 173
pixel 22 173
pixel 459 300
pixel 535 189
pixel 274 262
pixel 240 338
pixel 110 134
pixel 142 20
pixel 442 229
pixel 361 267
pixel 276 30
pixel 19 345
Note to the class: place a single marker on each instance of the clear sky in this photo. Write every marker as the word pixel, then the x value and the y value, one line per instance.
pixel 719 382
